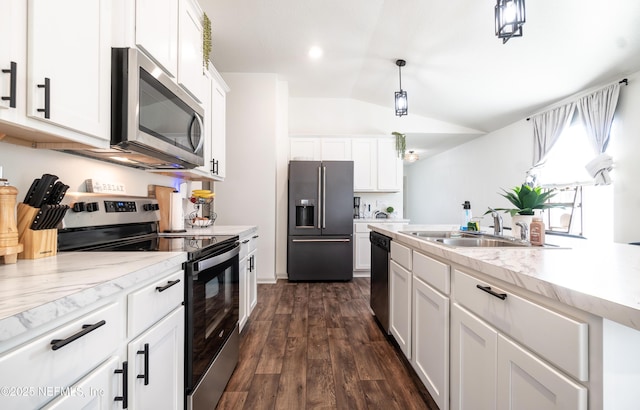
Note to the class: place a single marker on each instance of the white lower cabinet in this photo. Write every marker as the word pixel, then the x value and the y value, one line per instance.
pixel 489 370
pixel 97 390
pixel 400 306
pixel 156 365
pixel 134 339
pixel 473 362
pixel 430 332
pixel 527 383
pixel 248 277
pixel 35 372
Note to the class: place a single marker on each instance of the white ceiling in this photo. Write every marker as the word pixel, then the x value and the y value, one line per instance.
pixel 457 70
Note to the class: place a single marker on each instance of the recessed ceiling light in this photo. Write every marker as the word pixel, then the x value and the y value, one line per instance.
pixel 315 52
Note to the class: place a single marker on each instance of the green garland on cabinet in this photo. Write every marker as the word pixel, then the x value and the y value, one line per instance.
pixel 401 144
pixel 206 41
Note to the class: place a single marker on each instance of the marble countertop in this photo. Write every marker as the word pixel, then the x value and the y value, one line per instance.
pixel 36 291
pixel 382 221
pixel 600 278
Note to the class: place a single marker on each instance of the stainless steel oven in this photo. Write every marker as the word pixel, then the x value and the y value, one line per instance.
pixel 212 340
pixel 115 224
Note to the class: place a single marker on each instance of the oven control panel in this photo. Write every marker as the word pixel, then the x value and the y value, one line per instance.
pixel 91 209
pixel 120 206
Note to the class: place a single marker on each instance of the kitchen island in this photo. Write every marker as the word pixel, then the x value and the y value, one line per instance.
pixel 559 323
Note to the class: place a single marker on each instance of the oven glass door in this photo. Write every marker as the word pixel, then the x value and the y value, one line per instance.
pixel 212 311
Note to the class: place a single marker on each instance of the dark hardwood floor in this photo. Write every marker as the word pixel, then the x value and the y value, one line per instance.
pixel 317 346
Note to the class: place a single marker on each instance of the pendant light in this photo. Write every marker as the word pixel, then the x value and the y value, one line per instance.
pixel 402 103
pixel 510 17
pixel 411 156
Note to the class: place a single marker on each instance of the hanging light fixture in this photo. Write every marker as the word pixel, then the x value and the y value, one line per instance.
pixel 510 17
pixel 401 96
pixel 411 156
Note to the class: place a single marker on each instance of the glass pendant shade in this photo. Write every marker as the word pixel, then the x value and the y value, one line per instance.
pixel 411 156
pixel 510 16
pixel 401 103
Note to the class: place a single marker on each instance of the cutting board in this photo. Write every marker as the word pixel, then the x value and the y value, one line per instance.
pixel 163 195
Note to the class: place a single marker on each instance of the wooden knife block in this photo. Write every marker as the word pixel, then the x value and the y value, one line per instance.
pixel 37 244
pixel 9 242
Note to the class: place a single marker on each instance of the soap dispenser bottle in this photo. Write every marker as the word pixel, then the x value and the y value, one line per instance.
pixel 466 215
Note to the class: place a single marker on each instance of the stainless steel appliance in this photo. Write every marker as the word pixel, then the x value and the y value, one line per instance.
pixel 155 124
pixel 109 223
pixel 320 231
pixel 379 295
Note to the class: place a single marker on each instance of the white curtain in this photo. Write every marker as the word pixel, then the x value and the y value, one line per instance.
pixel 596 112
pixel 547 127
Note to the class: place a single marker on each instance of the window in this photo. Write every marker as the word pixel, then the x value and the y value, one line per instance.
pixel 587 208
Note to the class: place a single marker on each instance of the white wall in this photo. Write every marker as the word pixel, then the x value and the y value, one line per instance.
pixel 342 116
pixel 477 170
pixel 474 172
pixel 248 194
pixel 22 165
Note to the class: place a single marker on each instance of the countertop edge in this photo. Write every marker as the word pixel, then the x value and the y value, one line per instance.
pixel 607 308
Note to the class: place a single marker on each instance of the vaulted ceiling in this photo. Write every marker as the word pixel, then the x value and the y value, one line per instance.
pixel 457 70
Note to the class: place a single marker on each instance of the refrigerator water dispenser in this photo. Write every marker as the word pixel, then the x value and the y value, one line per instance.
pixel 305 213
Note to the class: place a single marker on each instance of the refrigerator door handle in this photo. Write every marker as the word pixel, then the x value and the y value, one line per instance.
pixel 324 197
pixel 321 240
pixel 319 195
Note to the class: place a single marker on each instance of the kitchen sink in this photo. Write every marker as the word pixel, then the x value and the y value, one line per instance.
pixel 468 239
pixel 480 242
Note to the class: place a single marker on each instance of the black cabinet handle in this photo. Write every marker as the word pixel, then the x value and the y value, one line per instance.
pixel 125 392
pixel 13 73
pixel 251 264
pixel 58 343
pixel 488 289
pixel 145 376
pixel 214 167
pixel 245 241
pixel 167 286
pixel 47 97
pixel 254 236
pixel 211 169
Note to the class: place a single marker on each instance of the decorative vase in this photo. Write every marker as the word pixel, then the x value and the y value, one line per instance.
pixel 515 229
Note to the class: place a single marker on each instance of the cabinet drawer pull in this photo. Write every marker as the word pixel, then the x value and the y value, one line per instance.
pixel 125 392
pixel 245 241
pixel 145 376
pixel 488 289
pixel 254 236
pixel 47 97
pixel 167 286
pixel 13 74
pixel 58 343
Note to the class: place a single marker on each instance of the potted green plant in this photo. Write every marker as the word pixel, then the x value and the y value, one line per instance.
pixel 526 200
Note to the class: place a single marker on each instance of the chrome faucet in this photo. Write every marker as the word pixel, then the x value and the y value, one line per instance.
pixel 524 230
pixel 497 222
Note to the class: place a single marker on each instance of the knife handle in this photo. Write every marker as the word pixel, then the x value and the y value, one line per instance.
pixel 30 191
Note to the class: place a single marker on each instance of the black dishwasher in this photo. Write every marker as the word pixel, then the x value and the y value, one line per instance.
pixel 379 299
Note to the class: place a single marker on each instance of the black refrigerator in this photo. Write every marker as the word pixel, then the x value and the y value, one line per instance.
pixel 320 229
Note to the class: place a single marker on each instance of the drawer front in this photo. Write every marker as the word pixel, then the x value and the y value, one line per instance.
pixel 37 372
pixel 560 339
pixel 433 272
pixel 402 255
pixel 151 303
pixel 253 243
pixel 361 228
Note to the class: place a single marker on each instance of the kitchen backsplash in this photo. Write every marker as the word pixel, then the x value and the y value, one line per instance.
pixel 370 202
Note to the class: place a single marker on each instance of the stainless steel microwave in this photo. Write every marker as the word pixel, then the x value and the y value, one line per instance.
pixel 155 124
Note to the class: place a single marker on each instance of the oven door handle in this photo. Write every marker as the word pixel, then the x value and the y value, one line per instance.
pixel 207 263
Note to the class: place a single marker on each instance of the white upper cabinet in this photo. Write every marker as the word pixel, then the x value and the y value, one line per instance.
pixel 156 32
pixel 219 91
pixel 69 64
pixel 190 62
pixel 389 166
pixel 376 166
pixel 364 152
pixel 335 149
pixel 12 57
pixel 305 149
